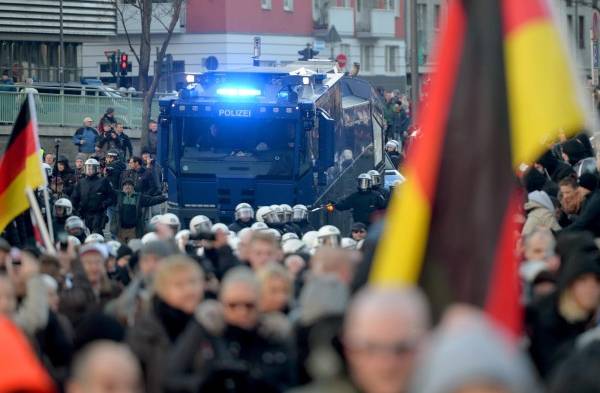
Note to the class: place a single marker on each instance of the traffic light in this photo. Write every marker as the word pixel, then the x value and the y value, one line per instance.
pixel 123 64
pixel 307 53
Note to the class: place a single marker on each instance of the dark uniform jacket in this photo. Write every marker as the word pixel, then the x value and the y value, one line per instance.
pixel 362 203
pixel 92 195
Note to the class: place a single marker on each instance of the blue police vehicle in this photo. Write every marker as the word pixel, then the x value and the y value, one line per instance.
pixel 269 135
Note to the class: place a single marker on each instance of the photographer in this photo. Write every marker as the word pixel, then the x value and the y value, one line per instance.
pixel 109 139
pixel 123 141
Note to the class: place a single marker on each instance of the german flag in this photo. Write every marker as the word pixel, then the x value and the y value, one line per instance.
pixel 503 88
pixel 21 165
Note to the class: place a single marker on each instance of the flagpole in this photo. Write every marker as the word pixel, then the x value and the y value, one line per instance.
pixel 40 219
pixel 48 215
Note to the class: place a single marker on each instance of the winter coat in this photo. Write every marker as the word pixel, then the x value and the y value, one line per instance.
pixel 238 225
pixel 152 337
pixel 140 201
pixel 143 181
pixel 363 204
pixel 152 142
pixel 125 144
pixel 589 217
pixel 69 180
pixel 222 259
pixel 92 195
pixel 110 140
pixel 261 357
pixel 79 299
pixel 551 336
pixel 90 137
pixel 114 170
pixel 540 213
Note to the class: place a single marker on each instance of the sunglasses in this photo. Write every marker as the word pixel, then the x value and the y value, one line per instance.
pixel 250 306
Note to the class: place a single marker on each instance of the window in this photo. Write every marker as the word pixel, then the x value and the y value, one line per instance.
pixel 366 58
pixel 389 4
pixel 391 58
pixel 436 16
pixel 359 5
pixel 569 3
pixel 570 23
pixel 345 3
pixel 288 5
pixel 581 32
pixel 265 4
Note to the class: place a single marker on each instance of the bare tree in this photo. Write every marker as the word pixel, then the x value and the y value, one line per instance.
pixel 148 14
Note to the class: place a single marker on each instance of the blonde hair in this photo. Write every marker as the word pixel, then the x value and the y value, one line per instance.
pixel 172 265
pixel 274 270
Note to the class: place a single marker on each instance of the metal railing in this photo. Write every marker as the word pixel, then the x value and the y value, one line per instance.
pixel 69 110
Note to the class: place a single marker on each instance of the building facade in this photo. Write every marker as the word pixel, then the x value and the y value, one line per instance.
pixel 30 33
pixel 371 32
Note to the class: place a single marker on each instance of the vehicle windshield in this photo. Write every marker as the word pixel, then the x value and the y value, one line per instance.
pixel 236 147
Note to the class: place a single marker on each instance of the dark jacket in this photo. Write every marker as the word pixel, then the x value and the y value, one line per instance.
pixel 114 170
pixel 125 144
pixel 143 181
pixel 551 336
pixel 92 195
pixel 152 337
pixel 222 259
pixel 302 227
pixel 69 180
pixel 238 225
pixel 396 159
pixel 152 142
pixel 110 140
pixel 260 361
pixel 80 299
pixel 589 217
pixel 363 204
pixel 141 200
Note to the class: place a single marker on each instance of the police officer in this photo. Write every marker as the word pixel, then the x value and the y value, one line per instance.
pixel 114 168
pixel 362 202
pixel 92 196
pixel 377 184
pixel 244 217
pixel 62 210
pixel 392 148
pixel 300 220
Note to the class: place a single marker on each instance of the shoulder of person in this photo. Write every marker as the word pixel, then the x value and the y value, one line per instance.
pixel 209 315
pixel 275 327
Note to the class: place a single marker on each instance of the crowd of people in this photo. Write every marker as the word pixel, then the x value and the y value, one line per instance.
pixel 137 300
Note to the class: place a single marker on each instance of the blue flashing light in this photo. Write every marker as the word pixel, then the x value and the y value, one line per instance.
pixel 238 92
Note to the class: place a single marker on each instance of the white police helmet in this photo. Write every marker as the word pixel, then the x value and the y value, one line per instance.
pixel 171 220
pixel 288 236
pixel 300 213
pixel 287 212
pixel 66 205
pixel 91 167
pixel 376 179
pixel 259 226
pixel 94 238
pixel 244 212
pixel 199 224
pixel 311 239
pixel 149 237
pixel 329 235
pixel 220 227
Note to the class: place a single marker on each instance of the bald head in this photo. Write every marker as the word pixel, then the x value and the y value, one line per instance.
pixel 104 367
pixel 339 262
pixel 382 332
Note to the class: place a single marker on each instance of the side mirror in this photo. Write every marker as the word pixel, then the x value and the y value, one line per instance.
pixel 326 141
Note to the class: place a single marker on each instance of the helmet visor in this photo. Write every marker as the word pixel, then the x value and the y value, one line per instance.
pixel 244 214
pixel 364 184
pixel 91 170
pixel 376 179
pixel 329 241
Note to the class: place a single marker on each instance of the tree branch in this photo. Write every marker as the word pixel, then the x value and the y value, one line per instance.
pixel 135 54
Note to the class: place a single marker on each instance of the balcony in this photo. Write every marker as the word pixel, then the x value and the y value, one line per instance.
pixel 161 17
pixel 376 23
pixel 340 17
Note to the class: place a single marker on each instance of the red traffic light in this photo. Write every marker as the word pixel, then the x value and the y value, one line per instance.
pixel 124 61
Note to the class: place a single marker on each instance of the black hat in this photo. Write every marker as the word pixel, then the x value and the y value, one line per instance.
pixel 534 180
pixel 63 159
pixel 127 181
pixel 575 150
pixel 577 265
pixel 110 110
pixel 359 226
pixel 589 181
pixel 98 326
pixel 113 152
pixel 124 251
